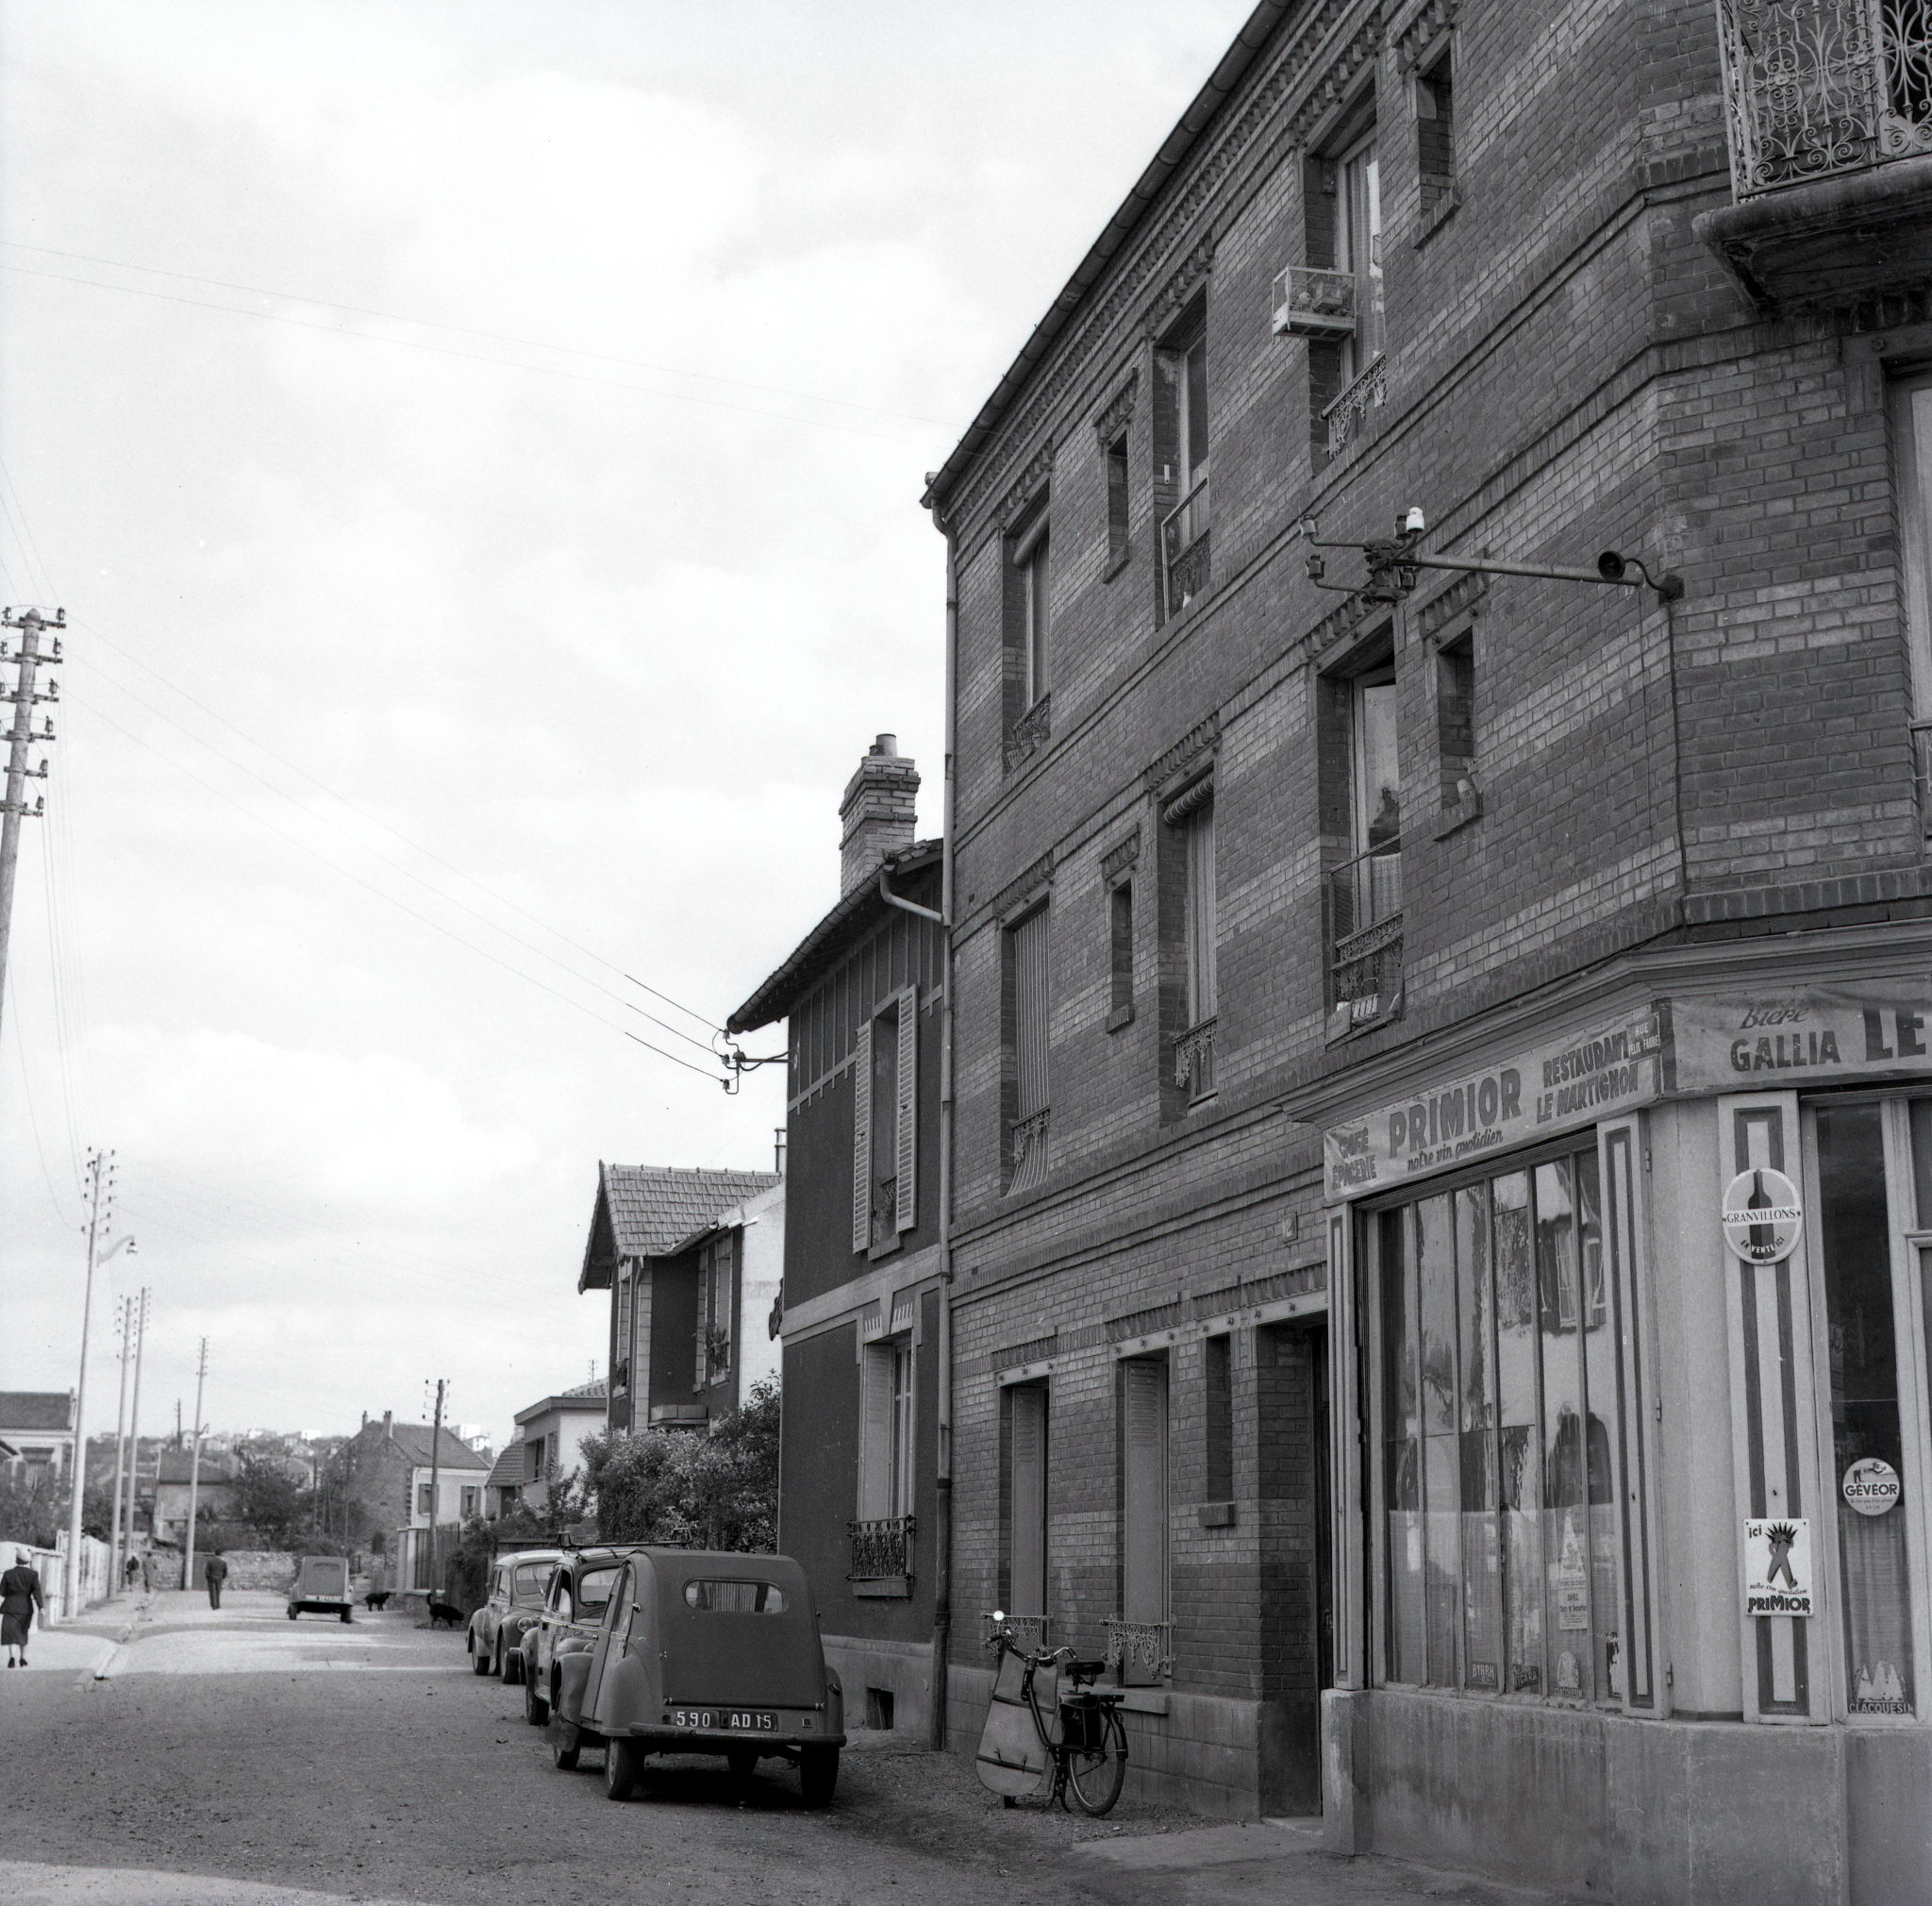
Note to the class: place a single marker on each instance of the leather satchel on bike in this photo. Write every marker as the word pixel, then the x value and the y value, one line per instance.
pixel 1012 1759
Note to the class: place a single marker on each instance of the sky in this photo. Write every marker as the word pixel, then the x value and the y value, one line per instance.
pixel 478 449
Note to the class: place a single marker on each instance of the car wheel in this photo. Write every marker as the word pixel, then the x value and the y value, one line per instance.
pixel 565 1757
pixel 620 1769
pixel 536 1709
pixel 744 1761
pixel 345 1617
pixel 292 1615
pixel 479 1661
pixel 512 1666
pixel 817 1775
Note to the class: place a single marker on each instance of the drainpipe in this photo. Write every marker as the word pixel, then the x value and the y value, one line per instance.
pixel 942 1534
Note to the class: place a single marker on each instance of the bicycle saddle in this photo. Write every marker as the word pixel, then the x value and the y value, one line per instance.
pixel 1084 1670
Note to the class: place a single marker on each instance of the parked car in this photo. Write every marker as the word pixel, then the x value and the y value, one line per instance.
pixel 573 1611
pixel 701 1652
pixel 518 1584
pixel 322 1586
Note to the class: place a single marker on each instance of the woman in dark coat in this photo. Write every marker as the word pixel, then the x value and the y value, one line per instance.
pixel 20 1594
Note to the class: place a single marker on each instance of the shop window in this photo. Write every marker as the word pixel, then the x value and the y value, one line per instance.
pixel 1867 1413
pixel 1500 1405
pixel 884 1126
pixel 1911 421
pixel 1027 1027
pixel 1025 1589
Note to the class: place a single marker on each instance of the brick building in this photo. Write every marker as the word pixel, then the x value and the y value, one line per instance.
pixel 406 1479
pixel 690 1260
pixel 1438 1192
pixel 859 1327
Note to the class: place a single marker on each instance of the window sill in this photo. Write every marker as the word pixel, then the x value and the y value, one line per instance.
pixel 1135 1700
pixel 885 1250
pixel 884 1587
pixel 1120 1017
pixel 1436 217
pixel 1215 1515
pixel 1118 563
pixel 1460 815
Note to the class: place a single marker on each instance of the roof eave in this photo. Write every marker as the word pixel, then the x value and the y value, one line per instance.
pixel 1174 152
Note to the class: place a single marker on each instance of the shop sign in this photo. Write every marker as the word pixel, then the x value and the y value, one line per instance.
pixel 1536 1094
pixel 1871 1485
pixel 1777 1566
pixel 1808 1035
pixel 1762 1216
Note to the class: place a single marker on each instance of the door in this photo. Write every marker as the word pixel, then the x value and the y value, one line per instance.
pixel 609 1645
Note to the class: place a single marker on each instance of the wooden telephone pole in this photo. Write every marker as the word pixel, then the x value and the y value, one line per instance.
pixel 29 659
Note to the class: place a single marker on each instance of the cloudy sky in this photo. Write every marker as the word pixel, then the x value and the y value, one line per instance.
pixel 478 448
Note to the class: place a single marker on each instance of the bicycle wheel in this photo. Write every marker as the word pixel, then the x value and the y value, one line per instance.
pixel 1096 1772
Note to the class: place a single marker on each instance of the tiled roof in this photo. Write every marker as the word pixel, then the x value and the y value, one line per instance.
pixel 596 1387
pixel 509 1473
pixel 177 1465
pixel 40 1410
pixel 822 944
pixel 414 1440
pixel 647 1210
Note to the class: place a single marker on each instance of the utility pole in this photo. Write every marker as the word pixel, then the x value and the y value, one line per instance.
pixel 194 1469
pixel 435 1474
pixel 100 1213
pixel 124 1324
pixel 134 1416
pixel 29 657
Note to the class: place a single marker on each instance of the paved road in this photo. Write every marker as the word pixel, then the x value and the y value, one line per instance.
pixel 239 1760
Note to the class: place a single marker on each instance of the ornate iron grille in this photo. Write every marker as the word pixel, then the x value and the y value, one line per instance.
pixel 1193 1059
pixel 1185 548
pixel 1346 415
pixel 1818 87
pixel 1365 916
pixel 881 1549
pixel 1138 1650
pixel 1028 1630
pixel 1029 1150
pixel 885 1211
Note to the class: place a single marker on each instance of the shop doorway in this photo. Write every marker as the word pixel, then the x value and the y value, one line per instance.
pixel 1297 1565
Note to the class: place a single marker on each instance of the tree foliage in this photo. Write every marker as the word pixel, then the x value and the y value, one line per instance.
pixel 685 1489
pixel 269 1498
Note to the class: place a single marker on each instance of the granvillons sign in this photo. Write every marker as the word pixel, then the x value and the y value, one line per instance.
pixel 1536 1094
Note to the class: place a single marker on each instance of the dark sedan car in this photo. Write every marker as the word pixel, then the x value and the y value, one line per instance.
pixel 518 1584
pixel 573 1611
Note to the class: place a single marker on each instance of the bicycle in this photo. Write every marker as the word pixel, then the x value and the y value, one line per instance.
pixel 1036 1730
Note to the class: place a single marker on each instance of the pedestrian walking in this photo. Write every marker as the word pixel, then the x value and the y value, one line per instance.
pixel 215 1574
pixel 20 1594
pixel 134 1572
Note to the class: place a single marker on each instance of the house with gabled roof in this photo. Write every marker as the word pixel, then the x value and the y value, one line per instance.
pixel 679 1252
pixel 38 1425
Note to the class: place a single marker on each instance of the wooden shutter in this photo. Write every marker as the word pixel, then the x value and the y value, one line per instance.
pixel 1143 1468
pixel 861 1140
pixel 703 1375
pixel 1030 1015
pixel 875 1433
pixel 1026 1593
pixel 907 1162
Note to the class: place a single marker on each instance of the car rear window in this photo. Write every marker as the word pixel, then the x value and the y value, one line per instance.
pixel 532 1581
pixel 594 1586
pixel 735 1597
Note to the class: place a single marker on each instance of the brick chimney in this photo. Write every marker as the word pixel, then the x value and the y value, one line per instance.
pixel 389 1421
pixel 876 813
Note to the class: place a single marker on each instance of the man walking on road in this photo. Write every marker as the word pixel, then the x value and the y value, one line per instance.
pixel 20 1594
pixel 216 1573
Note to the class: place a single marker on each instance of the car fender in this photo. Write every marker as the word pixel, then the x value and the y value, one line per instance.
pixel 573 1672
pixel 835 1702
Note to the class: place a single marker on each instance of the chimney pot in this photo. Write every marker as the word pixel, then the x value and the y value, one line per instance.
pixel 876 812
pixel 389 1418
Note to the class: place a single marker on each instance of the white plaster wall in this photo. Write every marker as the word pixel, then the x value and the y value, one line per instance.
pixel 763 1218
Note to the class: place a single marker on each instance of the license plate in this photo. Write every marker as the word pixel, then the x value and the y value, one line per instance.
pixel 726 1720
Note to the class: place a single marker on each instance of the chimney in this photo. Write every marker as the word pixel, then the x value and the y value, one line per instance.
pixel 876 813
pixel 389 1418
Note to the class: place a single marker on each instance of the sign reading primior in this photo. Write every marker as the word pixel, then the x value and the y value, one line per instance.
pixel 1536 1094
pixel 1762 1216
pixel 1777 1566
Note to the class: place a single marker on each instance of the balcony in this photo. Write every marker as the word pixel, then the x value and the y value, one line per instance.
pixel 885 1212
pixel 1365 950
pixel 1348 414
pixel 1140 1652
pixel 1184 548
pixel 1828 107
pixel 1028 1630
pixel 881 1556
pixel 1193 1060
pixel 1313 303
pixel 1028 1149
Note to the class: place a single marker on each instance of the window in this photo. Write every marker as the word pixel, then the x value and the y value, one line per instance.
pixel 885 1148
pixel 1028 625
pixel 425 1502
pixel 1500 1390
pixel 472 1497
pixel 1117 502
pixel 593 1589
pixel 620 1346
pixel 531 1579
pixel 717 1303
pixel 1120 925
pixel 1027 1042
pixel 1358 252
pixel 1217 1371
pixel 1191 933
pixel 1342 202
pixel 735 1597
pixel 1025 1589
pixel 1911 417
pixel 1031 553
pixel 1182 427
pixel 1142 1403
pixel 888 1446
pixel 1364 808
pixel 1435 136
pixel 1455 725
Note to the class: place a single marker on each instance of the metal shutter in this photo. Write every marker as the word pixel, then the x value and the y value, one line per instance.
pixel 1027 1590
pixel 907 1161
pixel 861 1140
pixel 1143 1537
pixel 1029 1014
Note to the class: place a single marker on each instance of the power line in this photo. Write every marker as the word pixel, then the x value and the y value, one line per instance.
pixel 460 330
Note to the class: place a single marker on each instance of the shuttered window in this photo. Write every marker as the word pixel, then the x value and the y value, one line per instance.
pixel 703 1375
pixel 1143 1489
pixel 1026 1590
pixel 888 1436
pixel 885 1123
pixel 1030 1038
pixel 861 1140
pixel 1203 985
pixel 906 1151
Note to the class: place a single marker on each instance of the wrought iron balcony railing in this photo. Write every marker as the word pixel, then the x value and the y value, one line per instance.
pixel 1139 1651
pixel 1194 1060
pixel 1346 415
pixel 1028 1630
pixel 1029 1145
pixel 881 1549
pixel 1818 87
pixel 885 1211
pixel 1184 548
pixel 1310 302
pixel 1365 918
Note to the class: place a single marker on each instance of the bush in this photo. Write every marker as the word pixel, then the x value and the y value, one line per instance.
pixel 685 1489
